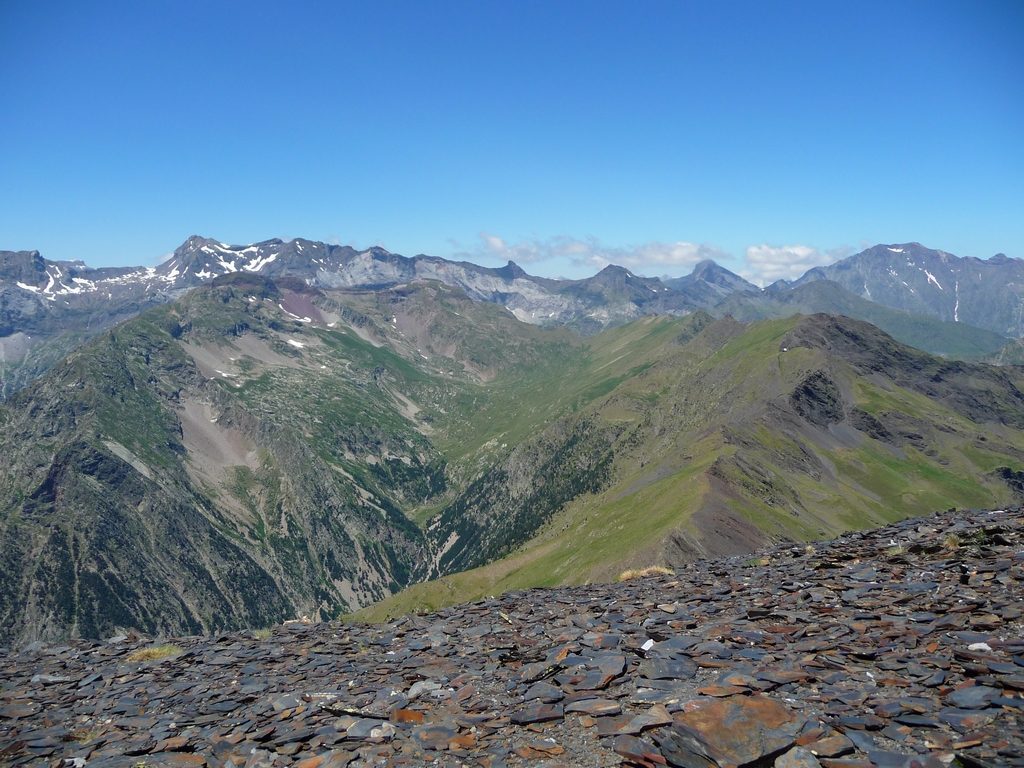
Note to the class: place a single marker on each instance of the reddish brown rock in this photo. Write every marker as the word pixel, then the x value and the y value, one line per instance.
pixel 638 751
pixel 741 729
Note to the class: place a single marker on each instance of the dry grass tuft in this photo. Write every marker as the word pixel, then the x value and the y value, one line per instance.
pixel 85 733
pixel 155 653
pixel 641 573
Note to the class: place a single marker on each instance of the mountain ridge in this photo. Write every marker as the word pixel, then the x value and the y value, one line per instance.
pixel 199 259
pixel 49 307
pixel 986 293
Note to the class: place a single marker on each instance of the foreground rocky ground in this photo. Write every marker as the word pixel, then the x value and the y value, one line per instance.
pixel 897 647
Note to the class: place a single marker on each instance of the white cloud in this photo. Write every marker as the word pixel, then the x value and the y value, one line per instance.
pixel 767 263
pixel 651 257
pixel 526 252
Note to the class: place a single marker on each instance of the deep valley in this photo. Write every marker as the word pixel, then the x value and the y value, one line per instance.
pixel 262 445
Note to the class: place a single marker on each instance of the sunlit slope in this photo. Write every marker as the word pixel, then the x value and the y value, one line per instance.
pixel 730 437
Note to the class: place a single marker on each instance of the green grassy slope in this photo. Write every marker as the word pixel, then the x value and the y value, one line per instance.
pixel 740 435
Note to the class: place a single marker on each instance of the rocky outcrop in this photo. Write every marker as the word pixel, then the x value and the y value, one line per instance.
pixel 818 400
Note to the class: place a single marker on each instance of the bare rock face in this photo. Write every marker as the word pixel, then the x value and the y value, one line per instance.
pixel 818 400
pixel 896 647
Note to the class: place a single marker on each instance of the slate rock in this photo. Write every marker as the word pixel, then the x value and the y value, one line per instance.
pixel 888 678
pixel 797 757
pixel 537 713
pixel 638 751
pixel 973 697
pixel 594 707
pixel 741 729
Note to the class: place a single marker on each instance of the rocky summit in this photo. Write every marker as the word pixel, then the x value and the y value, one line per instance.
pixel 901 646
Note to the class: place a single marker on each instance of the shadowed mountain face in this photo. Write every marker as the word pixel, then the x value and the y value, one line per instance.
pixel 944 304
pixel 709 284
pixel 946 338
pixel 262 448
pixel 985 294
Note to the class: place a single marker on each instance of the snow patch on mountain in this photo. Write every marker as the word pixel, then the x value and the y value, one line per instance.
pixel 931 278
pixel 259 263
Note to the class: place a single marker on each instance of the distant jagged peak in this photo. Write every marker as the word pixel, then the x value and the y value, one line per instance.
pixel 512 271
pixel 35 260
pixel 818 273
pixel 915 250
pixel 204 258
pixel 614 269
pixel 619 274
pixel 706 267
pixel 376 250
pixel 900 247
pixel 10 259
pixel 197 241
pixel 209 244
pixel 894 258
pixel 26 268
pixel 710 271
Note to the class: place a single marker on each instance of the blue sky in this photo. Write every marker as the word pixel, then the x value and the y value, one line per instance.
pixel 770 136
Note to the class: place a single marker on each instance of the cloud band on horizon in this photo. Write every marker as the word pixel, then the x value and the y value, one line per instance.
pixel 761 264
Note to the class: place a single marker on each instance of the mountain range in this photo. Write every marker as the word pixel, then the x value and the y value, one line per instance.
pixel 313 430
pixel 956 307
